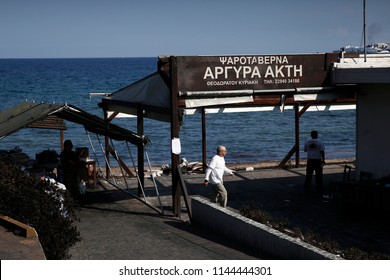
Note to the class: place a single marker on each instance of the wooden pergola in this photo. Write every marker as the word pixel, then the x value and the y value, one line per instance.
pixel 245 81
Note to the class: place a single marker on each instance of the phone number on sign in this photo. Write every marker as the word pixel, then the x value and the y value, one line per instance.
pixel 287 81
pixel 242 271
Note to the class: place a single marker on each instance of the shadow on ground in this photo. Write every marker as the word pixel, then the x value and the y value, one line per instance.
pixel 278 192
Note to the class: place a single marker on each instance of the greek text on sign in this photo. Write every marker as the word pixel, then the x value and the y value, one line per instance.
pixel 242 67
pixel 253 72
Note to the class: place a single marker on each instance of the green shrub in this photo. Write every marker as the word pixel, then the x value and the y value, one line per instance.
pixel 39 204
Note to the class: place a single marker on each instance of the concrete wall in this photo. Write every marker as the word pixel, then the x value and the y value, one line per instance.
pixel 255 235
pixel 372 130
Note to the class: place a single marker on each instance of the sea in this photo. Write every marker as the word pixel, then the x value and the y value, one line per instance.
pixel 249 136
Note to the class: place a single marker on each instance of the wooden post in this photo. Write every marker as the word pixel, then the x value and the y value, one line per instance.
pixel 174 134
pixel 295 148
pixel 182 185
pixel 204 142
pixel 62 139
pixel 140 150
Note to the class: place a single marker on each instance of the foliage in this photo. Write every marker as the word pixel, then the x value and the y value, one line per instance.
pixel 39 204
pixel 324 242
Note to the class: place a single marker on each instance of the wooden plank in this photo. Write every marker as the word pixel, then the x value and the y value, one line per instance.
pixel 50 122
pixel 183 188
pixel 174 132
pixel 14 224
pixel 120 161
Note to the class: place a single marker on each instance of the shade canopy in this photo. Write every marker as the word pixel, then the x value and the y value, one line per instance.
pixel 27 114
pixel 151 93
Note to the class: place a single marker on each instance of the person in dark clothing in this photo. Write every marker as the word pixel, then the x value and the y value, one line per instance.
pixel 315 161
pixel 70 165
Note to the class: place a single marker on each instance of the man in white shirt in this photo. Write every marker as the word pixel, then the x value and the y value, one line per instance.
pixel 315 161
pixel 214 175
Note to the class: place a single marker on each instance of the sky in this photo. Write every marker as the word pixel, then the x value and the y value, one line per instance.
pixel 149 28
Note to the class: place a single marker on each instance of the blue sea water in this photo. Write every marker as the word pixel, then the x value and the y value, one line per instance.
pixel 249 137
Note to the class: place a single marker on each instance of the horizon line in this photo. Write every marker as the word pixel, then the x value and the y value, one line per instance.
pixel 86 57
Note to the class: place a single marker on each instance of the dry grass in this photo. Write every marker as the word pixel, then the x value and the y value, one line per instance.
pixel 323 242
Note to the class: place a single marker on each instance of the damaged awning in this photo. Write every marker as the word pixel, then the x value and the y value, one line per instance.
pixel 195 99
pixel 23 115
pixel 151 93
pixel 28 113
pixel 153 96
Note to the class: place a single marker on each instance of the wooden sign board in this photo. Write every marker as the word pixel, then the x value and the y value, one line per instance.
pixel 253 72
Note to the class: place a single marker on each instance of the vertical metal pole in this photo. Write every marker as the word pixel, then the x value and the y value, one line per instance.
pixel 364 30
pixel 204 142
pixel 174 134
pixel 106 142
pixel 141 159
pixel 297 115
